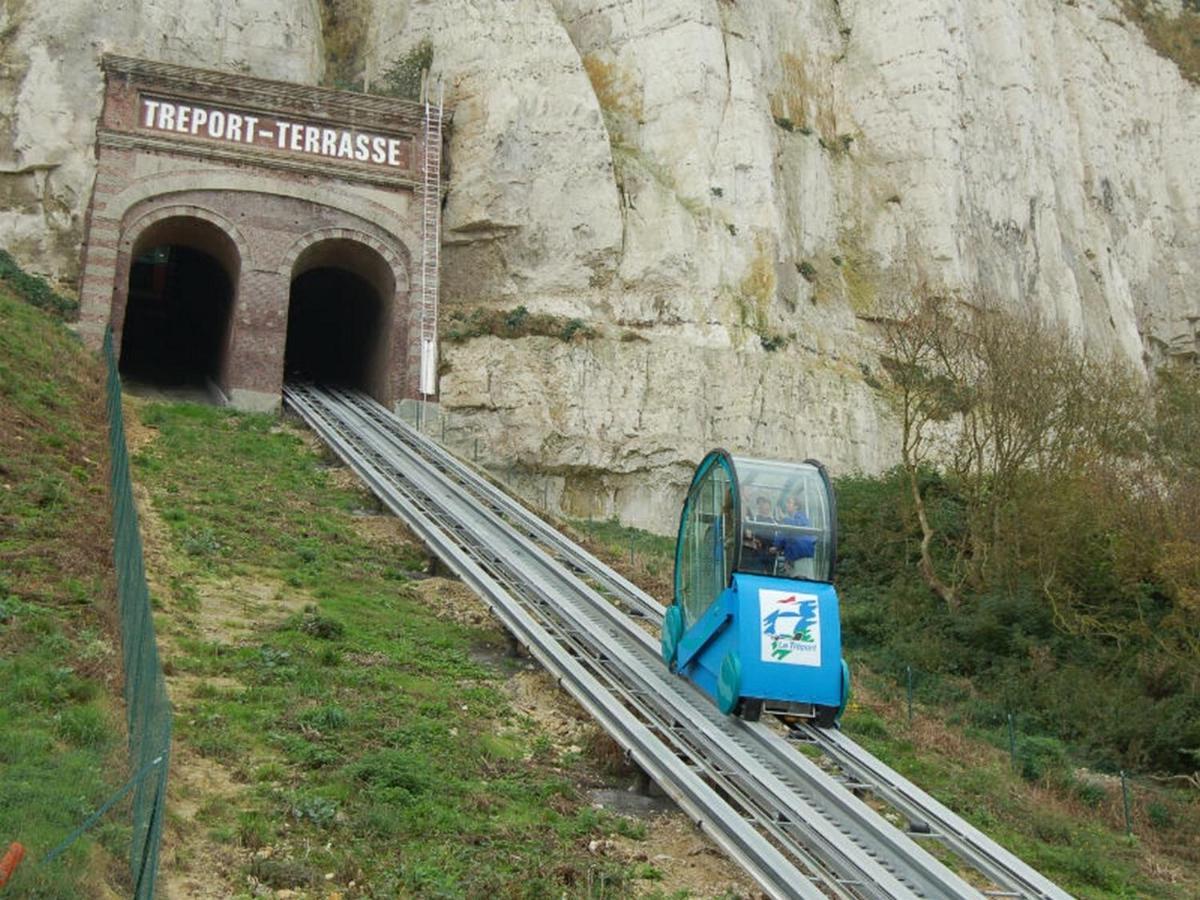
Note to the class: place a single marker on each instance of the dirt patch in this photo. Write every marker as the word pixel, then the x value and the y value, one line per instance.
pixel 194 866
pixel 453 601
pixel 383 531
pixel 681 855
pixel 231 608
pixel 684 858
pixel 535 693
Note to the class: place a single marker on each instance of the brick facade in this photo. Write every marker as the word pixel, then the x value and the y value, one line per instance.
pixel 265 211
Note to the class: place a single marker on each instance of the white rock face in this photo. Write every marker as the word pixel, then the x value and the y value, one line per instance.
pixel 52 84
pixel 701 180
pixel 784 170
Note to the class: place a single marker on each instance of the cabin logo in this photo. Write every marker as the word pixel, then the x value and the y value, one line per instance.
pixel 791 627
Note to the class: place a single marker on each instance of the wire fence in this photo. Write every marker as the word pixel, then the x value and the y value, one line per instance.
pixel 146 704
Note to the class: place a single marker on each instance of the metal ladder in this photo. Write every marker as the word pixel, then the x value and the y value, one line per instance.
pixel 431 219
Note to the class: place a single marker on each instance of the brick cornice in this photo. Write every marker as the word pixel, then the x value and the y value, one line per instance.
pixel 312 103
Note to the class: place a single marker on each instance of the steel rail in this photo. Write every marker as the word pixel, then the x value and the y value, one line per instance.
pixel 539 574
pixel 774 772
pixel 799 775
pixel 1004 868
pixel 627 594
pixel 704 805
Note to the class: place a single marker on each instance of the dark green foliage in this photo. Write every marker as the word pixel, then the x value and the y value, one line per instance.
pixel 514 323
pixel 320 626
pixel 403 77
pixel 34 290
pixel 1109 703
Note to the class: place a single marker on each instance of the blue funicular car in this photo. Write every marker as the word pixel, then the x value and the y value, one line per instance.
pixel 754 622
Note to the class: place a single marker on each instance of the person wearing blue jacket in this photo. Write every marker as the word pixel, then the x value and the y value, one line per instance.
pixel 792 546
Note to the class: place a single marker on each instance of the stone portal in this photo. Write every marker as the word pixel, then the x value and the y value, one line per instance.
pixel 242 231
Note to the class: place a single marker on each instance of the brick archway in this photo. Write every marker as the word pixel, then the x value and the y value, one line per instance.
pixel 176 317
pixel 305 171
pixel 364 333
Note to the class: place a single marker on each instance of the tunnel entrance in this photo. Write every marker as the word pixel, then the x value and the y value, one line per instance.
pixel 339 318
pixel 177 313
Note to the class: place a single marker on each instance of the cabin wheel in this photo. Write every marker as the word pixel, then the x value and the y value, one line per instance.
pixel 729 683
pixel 750 709
pixel 672 631
pixel 826 716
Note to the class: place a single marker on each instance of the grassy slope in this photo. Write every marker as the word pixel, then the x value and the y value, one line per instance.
pixel 366 738
pixel 60 719
pixel 1069 828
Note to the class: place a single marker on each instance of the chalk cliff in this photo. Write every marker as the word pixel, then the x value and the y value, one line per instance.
pixel 727 192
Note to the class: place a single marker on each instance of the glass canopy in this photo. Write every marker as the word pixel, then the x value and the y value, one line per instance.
pixel 753 516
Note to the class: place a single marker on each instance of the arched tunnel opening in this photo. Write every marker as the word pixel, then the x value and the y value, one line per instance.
pixel 180 297
pixel 339 316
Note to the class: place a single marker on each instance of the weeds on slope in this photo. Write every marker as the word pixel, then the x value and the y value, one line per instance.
pixel 61 752
pixel 368 743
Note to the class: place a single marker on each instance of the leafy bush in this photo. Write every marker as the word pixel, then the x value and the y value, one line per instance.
pixel 34 290
pixel 312 622
pixel 403 77
pixel 1040 758
pixel 514 323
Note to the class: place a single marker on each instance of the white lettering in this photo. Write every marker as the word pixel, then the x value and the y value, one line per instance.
pixel 242 128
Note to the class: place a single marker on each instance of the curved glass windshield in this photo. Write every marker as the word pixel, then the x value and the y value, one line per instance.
pixel 787 520
pixel 707 539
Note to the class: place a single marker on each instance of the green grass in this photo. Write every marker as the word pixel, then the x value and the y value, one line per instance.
pixel 645 558
pixel 1036 805
pixel 61 748
pixel 370 741
pixel 1067 829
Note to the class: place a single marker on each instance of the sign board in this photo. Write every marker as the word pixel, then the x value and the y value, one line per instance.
pixel 790 623
pixel 268 132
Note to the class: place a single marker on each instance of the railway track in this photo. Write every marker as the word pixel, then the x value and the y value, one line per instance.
pixel 799 831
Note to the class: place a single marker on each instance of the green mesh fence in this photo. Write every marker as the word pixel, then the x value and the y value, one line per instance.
pixel 148 710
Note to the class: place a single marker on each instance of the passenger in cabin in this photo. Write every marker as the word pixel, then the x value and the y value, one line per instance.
pixel 757 538
pixel 794 551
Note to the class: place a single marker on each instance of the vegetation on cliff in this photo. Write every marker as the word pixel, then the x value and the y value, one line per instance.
pixel 1175 37
pixel 1049 502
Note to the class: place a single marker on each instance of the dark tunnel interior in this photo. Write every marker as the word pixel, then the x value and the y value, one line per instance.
pixel 335 320
pixel 176 317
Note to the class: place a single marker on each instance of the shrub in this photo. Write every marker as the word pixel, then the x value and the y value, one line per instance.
pixel 312 622
pixel 514 323
pixel 403 77
pixel 1040 758
pixel 34 290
